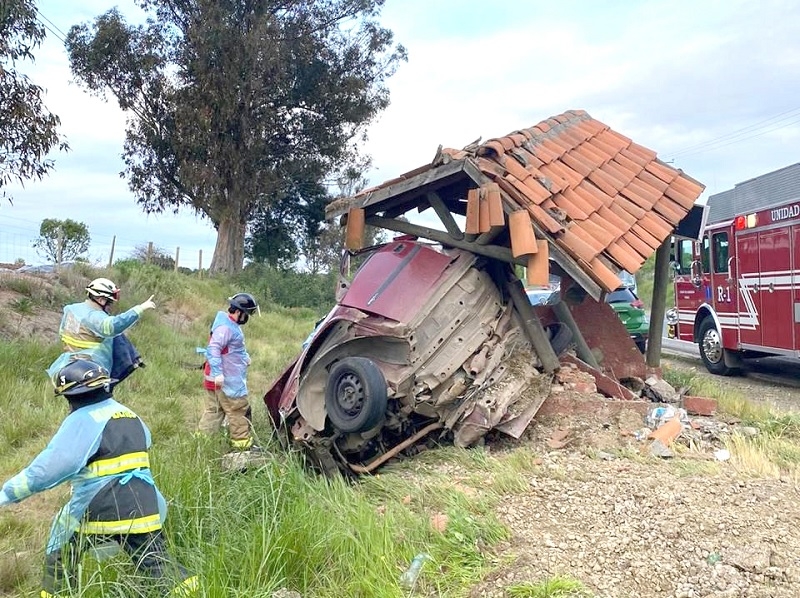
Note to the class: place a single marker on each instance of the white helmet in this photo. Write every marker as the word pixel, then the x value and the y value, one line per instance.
pixel 103 287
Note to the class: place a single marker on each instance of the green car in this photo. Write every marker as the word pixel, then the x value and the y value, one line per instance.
pixel 624 301
pixel 630 310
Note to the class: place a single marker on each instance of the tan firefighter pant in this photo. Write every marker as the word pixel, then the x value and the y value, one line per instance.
pixel 217 407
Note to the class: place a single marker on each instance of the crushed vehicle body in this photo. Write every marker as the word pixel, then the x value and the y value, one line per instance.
pixel 419 346
pixel 437 340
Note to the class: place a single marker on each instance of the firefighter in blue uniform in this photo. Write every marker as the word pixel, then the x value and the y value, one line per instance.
pixel 101 448
pixel 88 331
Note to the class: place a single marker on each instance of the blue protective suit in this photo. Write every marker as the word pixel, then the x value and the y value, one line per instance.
pixel 102 450
pixel 88 332
pixel 226 355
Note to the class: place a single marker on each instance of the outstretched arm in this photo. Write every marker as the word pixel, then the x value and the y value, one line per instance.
pixel 65 455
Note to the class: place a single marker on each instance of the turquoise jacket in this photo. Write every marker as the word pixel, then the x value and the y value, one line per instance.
pixel 96 446
pixel 88 332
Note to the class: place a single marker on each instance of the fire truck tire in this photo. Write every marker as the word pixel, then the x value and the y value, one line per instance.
pixel 711 351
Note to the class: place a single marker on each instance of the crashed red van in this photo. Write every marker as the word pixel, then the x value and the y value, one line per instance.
pixel 422 344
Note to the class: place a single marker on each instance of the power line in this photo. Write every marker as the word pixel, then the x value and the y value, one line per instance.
pixel 759 128
pixel 64 35
pixel 757 133
pixel 51 27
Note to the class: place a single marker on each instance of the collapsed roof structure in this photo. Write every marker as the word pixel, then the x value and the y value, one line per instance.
pixel 600 201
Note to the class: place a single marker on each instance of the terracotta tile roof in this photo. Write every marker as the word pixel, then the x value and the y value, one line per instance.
pixel 604 199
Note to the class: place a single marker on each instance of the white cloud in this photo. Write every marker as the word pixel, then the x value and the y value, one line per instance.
pixel 670 75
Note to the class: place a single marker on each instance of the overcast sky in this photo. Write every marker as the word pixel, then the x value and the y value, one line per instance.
pixel 710 85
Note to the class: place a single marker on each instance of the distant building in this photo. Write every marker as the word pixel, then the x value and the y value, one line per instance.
pixel 756 194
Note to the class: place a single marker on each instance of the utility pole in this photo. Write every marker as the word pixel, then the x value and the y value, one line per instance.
pixel 659 305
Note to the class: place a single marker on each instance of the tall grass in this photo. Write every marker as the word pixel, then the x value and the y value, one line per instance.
pixel 244 534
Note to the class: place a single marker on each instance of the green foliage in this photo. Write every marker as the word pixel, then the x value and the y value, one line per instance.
pixel 273 286
pixel 244 534
pixel 644 282
pixel 62 240
pixel 27 130
pixel 236 121
pixel 553 587
pixel 154 255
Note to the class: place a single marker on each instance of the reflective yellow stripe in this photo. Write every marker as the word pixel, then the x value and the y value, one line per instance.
pixel 242 444
pixel 188 587
pixel 141 525
pixel 46 594
pixel 119 464
pixel 78 343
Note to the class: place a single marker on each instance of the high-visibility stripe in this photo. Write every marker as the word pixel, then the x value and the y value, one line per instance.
pixel 120 464
pixel 244 443
pixel 140 525
pixel 78 343
pixel 46 594
pixel 188 587
pixel 108 326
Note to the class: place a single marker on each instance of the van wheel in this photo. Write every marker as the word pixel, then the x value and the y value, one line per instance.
pixel 355 396
pixel 711 350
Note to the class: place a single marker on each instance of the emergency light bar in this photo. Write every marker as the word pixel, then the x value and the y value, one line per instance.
pixel 743 222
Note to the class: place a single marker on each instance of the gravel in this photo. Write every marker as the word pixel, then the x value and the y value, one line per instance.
pixel 628 525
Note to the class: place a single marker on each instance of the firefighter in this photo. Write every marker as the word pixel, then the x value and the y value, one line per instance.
pixel 225 373
pixel 101 448
pixel 89 332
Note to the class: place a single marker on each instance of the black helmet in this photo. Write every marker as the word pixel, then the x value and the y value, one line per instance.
pixel 80 377
pixel 244 302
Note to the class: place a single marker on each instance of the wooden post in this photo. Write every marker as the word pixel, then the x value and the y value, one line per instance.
pixel 111 255
pixel 177 257
pixel 149 257
pixel 200 265
pixel 659 305
pixel 531 324
pixel 354 232
pixel 60 247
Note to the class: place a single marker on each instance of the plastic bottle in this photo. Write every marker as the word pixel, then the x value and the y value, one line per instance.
pixel 409 577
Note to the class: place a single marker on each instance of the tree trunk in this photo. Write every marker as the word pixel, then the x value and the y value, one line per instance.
pixel 229 250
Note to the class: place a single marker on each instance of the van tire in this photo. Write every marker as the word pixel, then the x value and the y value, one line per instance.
pixel 355 396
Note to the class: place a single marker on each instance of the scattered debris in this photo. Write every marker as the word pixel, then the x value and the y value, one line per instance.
pixel 660 391
pixel 700 406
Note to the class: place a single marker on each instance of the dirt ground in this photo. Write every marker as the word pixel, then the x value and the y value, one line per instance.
pixel 601 510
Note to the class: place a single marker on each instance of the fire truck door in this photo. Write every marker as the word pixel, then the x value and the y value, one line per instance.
pixel 777 305
pixel 722 290
pixel 746 266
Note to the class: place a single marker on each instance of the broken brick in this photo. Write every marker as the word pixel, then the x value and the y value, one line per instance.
pixel 700 406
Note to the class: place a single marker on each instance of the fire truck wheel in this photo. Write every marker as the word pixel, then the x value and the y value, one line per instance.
pixel 711 350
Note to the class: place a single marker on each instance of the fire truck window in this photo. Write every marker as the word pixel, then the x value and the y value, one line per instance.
pixel 721 253
pixel 704 260
pixel 685 257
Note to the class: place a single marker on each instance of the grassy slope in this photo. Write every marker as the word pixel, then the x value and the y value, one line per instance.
pixel 278 526
pixel 245 534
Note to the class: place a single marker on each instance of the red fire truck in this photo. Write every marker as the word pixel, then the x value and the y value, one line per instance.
pixel 737 289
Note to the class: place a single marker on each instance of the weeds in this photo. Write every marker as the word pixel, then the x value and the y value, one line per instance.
pixel 554 587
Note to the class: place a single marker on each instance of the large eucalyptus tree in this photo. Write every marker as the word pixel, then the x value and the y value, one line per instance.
pixel 233 103
pixel 28 131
